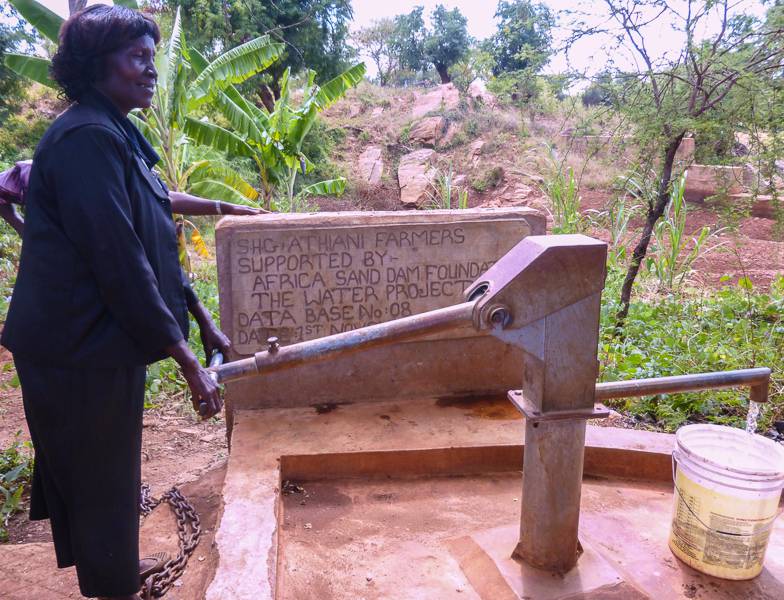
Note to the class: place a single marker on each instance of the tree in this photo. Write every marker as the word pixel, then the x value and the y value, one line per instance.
pixel 673 94
pixel 448 40
pixel 377 40
pixel 12 37
pixel 408 40
pixel 523 39
pixel 315 32
pixel 601 90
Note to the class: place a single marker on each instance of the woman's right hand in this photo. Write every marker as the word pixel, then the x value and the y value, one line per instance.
pixel 204 391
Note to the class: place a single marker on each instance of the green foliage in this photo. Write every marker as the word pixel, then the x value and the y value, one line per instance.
pixel 12 38
pixel 733 328
pixel 523 40
pixel 313 32
pixel 321 145
pixel 517 88
pixel 448 41
pixel 670 258
pixel 560 187
pixel 19 135
pixel 602 90
pixel 475 64
pixel 489 179
pixel 378 42
pixel 408 41
pixel 44 21
pixel 445 192
pixel 274 140
pixel 16 472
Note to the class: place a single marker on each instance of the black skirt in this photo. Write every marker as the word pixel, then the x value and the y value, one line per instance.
pixel 86 427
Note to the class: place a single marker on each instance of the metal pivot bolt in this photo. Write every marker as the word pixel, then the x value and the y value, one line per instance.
pixel 273 345
pixel 500 317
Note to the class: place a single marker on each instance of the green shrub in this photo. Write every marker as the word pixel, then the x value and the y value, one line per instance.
pixel 16 472
pixel 488 180
pixel 19 136
pixel 733 328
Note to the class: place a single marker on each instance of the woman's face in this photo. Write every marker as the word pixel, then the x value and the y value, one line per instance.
pixel 130 75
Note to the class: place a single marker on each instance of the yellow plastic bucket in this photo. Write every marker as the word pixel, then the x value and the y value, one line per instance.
pixel 727 489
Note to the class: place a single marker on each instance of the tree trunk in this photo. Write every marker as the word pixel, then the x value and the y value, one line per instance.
pixel 443 72
pixel 267 97
pixel 655 213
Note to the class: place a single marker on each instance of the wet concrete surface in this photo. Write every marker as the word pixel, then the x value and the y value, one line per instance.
pixel 452 537
pixel 420 498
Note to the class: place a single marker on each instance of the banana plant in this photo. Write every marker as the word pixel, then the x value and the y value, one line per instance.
pixel 47 23
pixel 186 81
pixel 273 140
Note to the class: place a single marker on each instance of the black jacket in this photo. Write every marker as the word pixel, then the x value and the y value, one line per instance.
pixel 99 283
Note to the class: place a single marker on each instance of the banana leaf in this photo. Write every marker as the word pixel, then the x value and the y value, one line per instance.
pixel 329 187
pixel 220 172
pixel 328 94
pixel 198 61
pixel 43 20
pixel 217 137
pixel 147 131
pixel 336 88
pixel 235 66
pixel 219 190
pixel 33 67
pixel 239 118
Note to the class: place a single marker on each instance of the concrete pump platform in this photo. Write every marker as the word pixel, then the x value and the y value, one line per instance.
pixel 421 499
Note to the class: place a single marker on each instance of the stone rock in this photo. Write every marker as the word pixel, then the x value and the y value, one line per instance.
pixel 371 165
pixel 354 110
pixel 445 97
pixel 685 152
pixel 415 175
pixel 377 112
pixel 515 193
pixel 475 150
pixel 428 131
pixel 460 181
pixel 479 95
pixel 709 180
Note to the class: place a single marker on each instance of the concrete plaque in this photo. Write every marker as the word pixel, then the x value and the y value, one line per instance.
pixel 303 276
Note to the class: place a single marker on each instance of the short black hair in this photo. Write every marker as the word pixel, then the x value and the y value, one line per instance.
pixel 87 37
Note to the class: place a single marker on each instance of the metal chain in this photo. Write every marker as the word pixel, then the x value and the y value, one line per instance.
pixel 188 532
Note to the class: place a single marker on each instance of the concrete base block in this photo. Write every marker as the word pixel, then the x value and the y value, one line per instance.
pixel 486 560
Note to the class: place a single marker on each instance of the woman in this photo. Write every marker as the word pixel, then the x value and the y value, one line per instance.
pixel 14 183
pixel 99 295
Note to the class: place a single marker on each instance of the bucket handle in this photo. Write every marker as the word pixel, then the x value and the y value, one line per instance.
pixel 767 529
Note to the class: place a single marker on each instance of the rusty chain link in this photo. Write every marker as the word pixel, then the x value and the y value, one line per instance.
pixel 188 532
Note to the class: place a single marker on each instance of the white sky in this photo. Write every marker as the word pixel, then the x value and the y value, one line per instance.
pixel 591 55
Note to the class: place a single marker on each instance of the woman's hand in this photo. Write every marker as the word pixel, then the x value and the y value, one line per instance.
pixel 204 389
pixel 205 393
pixel 239 209
pixel 213 339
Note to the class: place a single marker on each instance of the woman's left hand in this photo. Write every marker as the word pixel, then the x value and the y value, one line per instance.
pixel 240 209
pixel 213 339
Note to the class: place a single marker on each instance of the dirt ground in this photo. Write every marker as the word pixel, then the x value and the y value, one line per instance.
pixel 748 248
